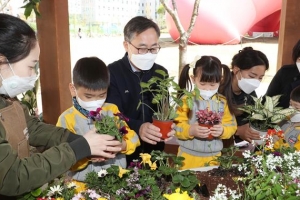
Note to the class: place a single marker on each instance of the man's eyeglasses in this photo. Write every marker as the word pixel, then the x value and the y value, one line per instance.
pixel 153 50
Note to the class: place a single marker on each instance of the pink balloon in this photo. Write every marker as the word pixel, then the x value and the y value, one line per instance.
pixel 221 21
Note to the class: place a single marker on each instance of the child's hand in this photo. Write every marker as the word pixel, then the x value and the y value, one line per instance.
pixel 198 131
pixel 216 130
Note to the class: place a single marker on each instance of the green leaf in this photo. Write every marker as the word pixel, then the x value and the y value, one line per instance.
pixel 277 118
pixel 275 99
pixel 36 192
pixel 28 9
pixel 269 104
pixel 161 72
pixel 257 117
pixel 286 112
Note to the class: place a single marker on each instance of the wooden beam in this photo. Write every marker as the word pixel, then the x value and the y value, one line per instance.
pixel 289 32
pixel 55 64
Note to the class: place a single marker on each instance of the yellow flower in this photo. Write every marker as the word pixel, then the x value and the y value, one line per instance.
pixel 101 198
pixel 80 186
pixel 146 158
pixel 122 171
pixel 258 153
pixel 280 143
pixel 59 198
pixel 178 196
pixel 153 166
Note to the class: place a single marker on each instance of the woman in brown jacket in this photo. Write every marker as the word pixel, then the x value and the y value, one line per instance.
pixel 21 172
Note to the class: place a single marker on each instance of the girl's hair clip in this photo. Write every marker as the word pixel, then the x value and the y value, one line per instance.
pixel 193 64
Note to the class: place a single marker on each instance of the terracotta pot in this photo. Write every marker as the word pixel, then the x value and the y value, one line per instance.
pixel 210 137
pixel 165 127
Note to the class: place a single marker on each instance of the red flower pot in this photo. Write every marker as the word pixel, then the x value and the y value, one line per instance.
pixel 210 137
pixel 165 127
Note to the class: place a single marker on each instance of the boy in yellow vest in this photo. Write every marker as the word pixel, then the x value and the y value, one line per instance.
pixel 89 90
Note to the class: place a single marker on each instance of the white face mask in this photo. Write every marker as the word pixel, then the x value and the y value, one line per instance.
pixel 16 85
pixel 143 61
pixel 298 66
pixel 295 117
pixel 207 94
pixel 90 105
pixel 248 85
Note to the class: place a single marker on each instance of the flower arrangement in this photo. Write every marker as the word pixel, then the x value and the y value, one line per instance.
pixel 155 177
pixel 152 178
pixel 273 172
pixel 208 117
pixel 108 123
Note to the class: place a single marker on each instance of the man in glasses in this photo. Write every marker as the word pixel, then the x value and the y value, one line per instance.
pixel 141 37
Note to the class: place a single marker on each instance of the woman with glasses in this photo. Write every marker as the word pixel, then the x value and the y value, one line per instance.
pixel 138 65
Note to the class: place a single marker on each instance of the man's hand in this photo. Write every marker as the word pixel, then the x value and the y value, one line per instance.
pixel 150 133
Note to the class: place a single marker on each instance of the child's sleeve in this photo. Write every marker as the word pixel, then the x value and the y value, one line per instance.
pixel 229 123
pixel 297 144
pixel 131 138
pixel 182 122
pixel 65 121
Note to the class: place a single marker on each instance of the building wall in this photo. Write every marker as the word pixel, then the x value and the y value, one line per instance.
pixel 112 15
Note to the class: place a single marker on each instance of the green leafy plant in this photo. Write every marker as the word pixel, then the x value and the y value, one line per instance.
pixel 31 5
pixel 59 188
pixel 264 114
pixel 228 157
pixel 113 124
pixel 165 95
pixel 156 175
pixel 273 172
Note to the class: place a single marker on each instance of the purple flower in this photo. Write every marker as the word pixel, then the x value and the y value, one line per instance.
pixel 122 117
pixel 135 164
pixel 95 114
pixel 276 153
pixel 123 130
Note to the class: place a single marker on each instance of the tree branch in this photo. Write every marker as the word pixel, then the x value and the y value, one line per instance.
pixel 174 15
pixel 194 17
pixel 3 5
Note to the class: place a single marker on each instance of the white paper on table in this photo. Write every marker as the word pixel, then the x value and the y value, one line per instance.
pixel 241 144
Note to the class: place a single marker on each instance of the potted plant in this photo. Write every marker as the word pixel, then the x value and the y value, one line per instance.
pixel 165 96
pixel 264 114
pixel 157 177
pixel 208 118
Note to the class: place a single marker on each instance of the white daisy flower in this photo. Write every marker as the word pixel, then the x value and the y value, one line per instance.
pixel 71 185
pixel 55 190
pixel 102 173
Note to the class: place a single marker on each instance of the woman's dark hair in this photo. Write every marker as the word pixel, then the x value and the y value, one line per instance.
pixel 296 51
pixel 295 94
pixel 17 38
pixel 138 25
pixel 248 58
pixel 91 73
pixel 211 70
